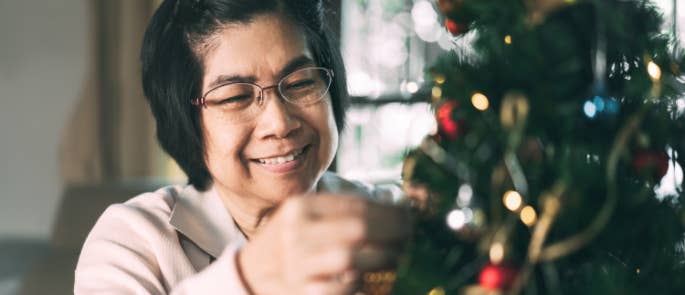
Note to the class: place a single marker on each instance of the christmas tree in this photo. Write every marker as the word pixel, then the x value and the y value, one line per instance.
pixel 552 137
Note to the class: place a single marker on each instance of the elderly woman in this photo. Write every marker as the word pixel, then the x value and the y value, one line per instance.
pixel 249 98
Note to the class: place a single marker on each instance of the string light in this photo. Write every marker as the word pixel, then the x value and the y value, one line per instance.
pixel 480 101
pixel 528 216
pixel 496 253
pixel 456 219
pixel 654 71
pixel 512 200
pixel 507 39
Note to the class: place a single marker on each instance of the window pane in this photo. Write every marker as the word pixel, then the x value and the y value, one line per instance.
pixel 387 44
pixel 376 138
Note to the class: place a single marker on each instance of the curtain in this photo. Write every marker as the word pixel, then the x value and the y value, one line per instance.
pixel 110 135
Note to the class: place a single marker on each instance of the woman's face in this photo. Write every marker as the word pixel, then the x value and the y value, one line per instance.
pixel 242 155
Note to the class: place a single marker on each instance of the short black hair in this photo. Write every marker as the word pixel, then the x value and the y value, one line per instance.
pixel 172 67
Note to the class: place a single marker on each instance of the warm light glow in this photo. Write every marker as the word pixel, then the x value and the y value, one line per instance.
pixel 528 216
pixel 480 101
pixel 512 200
pixel 507 39
pixel 637 271
pixel 439 78
pixel 496 253
pixel 654 71
pixel 436 92
pixel 456 219
pixel 478 218
pixel 437 291
pixel 412 87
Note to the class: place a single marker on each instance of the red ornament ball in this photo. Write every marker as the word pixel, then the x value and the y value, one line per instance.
pixel 497 277
pixel 449 127
pixel 454 27
pixel 651 160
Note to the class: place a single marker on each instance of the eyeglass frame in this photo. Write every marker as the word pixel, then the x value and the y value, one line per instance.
pixel 260 99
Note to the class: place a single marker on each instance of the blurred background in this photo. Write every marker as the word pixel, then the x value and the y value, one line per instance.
pixel 77 134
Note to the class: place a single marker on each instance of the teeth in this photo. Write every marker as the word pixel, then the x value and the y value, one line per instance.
pixel 281 160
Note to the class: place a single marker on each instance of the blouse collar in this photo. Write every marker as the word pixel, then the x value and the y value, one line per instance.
pixel 203 218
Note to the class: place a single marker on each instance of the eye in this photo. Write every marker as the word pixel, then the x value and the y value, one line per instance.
pixel 301 84
pixel 235 99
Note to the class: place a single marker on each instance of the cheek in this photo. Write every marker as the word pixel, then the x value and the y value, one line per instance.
pixel 328 131
pixel 222 142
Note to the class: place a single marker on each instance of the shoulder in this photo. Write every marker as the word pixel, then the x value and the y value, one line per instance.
pixel 152 205
pixel 133 248
pixel 333 183
pixel 142 218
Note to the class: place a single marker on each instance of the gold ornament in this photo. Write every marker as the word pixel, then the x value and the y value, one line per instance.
pixel 378 283
pixel 408 167
pixel 514 110
pixel 479 290
pixel 437 291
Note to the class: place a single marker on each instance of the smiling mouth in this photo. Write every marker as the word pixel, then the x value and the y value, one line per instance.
pixel 283 159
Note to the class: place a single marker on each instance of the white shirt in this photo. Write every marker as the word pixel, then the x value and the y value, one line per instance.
pixel 175 240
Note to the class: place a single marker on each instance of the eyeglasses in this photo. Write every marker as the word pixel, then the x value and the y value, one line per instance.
pixel 242 100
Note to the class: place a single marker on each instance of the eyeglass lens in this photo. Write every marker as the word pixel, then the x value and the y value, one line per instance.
pixel 238 101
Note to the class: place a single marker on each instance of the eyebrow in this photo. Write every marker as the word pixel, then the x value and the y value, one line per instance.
pixel 292 65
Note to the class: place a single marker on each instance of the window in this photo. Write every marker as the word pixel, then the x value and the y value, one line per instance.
pixel 387 45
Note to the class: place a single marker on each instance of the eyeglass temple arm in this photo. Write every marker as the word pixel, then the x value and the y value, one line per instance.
pixel 198 102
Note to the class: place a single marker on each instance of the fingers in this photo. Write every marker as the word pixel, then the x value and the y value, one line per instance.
pixel 334 206
pixel 336 247
pixel 333 236
pixel 383 223
pixel 373 258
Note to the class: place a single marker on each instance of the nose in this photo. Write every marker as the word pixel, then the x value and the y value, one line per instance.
pixel 278 118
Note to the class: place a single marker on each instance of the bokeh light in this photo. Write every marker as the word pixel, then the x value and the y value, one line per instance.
pixel 672 181
pixel 496 253
pixel 456 219
pixel 590 109
pixel 464 195
pixel 529 216
pixel 654 71
pixel 412 87
pixel 480 101
pixel 436 93
pixel 512 200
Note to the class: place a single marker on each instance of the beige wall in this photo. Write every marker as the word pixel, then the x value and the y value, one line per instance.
pixel 43 50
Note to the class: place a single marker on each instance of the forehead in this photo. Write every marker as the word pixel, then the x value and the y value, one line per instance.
pixel 258 48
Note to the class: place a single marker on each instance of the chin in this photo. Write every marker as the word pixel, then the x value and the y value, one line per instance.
pixel 292 187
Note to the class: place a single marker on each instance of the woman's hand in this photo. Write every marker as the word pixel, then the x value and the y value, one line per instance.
pixel 321 245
